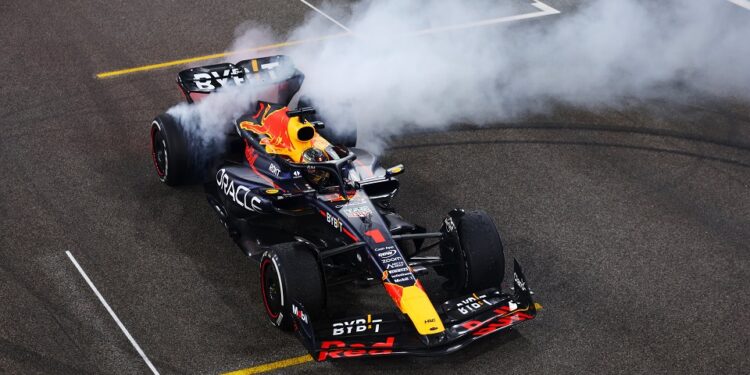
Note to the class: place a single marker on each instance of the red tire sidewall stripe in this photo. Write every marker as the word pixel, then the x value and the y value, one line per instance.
pixel 263 265
pixel 153 151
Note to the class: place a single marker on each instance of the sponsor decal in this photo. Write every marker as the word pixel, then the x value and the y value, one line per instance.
pixel 496 324
pixel 329 349
pixel 399 275
pixel 205 81
pixel 300 314
pixel 389 260
pixel 273 168
pixel 357 211
pixel 334 221
pixel 393 265
pixel 238 193
pixel 387 254
pixel 472 304
pixel 398 271
pixel 296 174
pixel 356 326
pixel 354 199
pixel 520 283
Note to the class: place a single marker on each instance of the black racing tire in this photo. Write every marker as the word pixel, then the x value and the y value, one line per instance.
pixel 340 137
pixel 169 150
pixel 479 260
pixel 290 272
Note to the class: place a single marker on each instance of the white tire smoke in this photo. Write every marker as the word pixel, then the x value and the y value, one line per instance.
pixel 388 83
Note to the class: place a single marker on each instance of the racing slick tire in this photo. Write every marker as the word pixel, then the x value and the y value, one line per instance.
pixel 479 262
pixel 290 272
pixel 340 137
pixel 169 150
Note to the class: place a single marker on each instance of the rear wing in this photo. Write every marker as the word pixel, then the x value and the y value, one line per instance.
pixel 276 77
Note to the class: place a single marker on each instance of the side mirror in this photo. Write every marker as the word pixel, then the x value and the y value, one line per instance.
pixel 394 171
pixel 318 125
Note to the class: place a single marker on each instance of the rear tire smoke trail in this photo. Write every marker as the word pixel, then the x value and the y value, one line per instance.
pixel 387 84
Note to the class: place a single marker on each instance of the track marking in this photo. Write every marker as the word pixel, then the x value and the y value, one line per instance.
pixel 215 56
pixel 112 313
pixel 272 366
pixel 544 10
pixel 339 24
pixel 741 3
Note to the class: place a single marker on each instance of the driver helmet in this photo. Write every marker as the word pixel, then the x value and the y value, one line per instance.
pixel 316 176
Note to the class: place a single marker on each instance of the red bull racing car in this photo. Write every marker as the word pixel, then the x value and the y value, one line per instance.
pixel 316 214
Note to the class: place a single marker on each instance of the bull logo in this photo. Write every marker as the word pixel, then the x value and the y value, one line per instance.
pixel 283 135
pixel 273 124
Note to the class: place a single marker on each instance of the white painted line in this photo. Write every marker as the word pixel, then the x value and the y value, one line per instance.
pixel 112 313
pixel 544 10
pixel 741 3
pixel 326 16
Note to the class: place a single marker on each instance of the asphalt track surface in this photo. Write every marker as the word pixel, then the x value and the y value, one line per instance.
pixel 632 224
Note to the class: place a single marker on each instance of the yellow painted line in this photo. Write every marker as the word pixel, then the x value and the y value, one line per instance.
pixel 273 365
pixel 167 64
pixel 545 10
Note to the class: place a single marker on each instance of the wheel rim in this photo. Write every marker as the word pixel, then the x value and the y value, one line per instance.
pixel 159 152
pixel 271 289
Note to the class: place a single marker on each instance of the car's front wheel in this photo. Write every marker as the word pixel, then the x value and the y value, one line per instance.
pixel 290 273
pixel 476 260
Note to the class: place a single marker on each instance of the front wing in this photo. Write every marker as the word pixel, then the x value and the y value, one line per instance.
pixel 466 320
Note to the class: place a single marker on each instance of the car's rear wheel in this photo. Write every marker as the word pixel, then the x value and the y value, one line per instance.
pixel 477 260
pixel 169 150
pixel 290 273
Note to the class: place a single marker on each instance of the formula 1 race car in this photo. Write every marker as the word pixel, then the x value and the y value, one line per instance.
pixel 316 214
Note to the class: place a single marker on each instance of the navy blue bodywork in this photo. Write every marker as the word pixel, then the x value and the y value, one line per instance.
pixel 349 225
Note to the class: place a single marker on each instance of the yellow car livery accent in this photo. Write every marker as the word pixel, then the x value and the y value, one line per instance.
pixel 413 301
